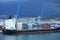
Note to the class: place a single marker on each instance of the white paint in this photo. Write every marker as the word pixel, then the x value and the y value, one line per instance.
pixel 19 26
pixel 10 23
pixel 1 23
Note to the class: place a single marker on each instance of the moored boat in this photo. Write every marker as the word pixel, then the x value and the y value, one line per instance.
pixel 13 27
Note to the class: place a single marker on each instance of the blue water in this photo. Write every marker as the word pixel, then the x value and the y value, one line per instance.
pixel 42 36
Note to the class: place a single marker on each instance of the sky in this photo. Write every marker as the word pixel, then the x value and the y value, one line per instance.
pixel 14 0
pixel 30 8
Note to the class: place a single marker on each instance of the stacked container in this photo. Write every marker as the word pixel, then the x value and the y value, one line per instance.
pixel 19 26
pixel 44 25
pixel 30 26
pixel 52 26
pixel 25 26
pixel 56 26
pixel 37 26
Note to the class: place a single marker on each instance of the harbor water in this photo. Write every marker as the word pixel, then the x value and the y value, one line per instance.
pixel 41 36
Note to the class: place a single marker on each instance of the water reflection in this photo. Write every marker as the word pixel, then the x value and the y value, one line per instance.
pixel 47 36
pixel 18 37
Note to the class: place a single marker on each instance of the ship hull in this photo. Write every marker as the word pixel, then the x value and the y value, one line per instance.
pixel 29 31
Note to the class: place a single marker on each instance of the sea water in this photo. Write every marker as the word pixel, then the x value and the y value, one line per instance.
pixel 41 36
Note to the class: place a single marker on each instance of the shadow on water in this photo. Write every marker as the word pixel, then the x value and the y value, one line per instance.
pixel 41 36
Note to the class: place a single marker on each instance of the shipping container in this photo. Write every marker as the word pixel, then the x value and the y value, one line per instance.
pixel 30 26
pixel 44 26
pixel 37 25
pixel 19 26
pixel 52 27
pixel 35 28
pixel 25 26
pixel 59 25
pixel 56 26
